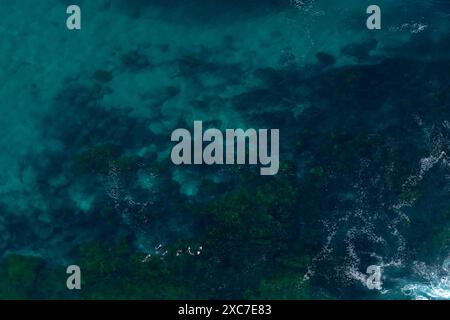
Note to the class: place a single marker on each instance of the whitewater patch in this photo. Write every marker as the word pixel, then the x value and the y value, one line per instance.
pixel 435 284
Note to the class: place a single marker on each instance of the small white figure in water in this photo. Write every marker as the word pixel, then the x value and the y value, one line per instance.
pixel 147 257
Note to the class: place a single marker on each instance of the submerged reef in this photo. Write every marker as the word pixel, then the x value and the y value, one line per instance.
pixel 364 142
pixel 351 179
